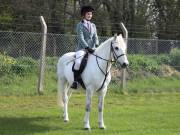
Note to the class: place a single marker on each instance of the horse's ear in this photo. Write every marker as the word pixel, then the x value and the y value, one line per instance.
pixel 115 36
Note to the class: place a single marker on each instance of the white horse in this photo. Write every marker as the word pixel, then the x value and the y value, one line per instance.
pixel 96 76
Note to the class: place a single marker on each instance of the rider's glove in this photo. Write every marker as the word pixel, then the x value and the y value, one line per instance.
pixel 90 50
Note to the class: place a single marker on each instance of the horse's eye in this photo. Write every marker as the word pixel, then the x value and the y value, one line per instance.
pixel 116 48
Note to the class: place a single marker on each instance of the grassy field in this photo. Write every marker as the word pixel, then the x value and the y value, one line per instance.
pixel 27 85
pixel 133 114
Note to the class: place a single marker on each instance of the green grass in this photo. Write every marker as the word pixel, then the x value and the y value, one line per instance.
pixel 154 84
pixel 133 114
pixel 27 85
pixel 18 85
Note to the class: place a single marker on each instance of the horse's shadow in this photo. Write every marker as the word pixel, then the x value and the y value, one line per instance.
pixel 24 125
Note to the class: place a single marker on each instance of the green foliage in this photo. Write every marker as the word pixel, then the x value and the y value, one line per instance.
pixel 175 58
pixel 64 16
pixel 172 59
pixel 52 61
pixel 143 66
pixel 6 62
pixel 19 66
pixel 143 63
pixel 163 59
pixel 5 19
pixel 20 74
pixel 24 65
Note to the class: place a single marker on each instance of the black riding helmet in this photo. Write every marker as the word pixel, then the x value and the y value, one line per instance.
pixel 85 9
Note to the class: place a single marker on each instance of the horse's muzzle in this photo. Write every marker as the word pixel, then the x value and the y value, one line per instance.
pixel 124 65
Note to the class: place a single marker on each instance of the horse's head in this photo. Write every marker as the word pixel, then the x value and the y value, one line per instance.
pixel 118 49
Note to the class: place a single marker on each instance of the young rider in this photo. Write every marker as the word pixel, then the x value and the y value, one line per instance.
pixel 87 39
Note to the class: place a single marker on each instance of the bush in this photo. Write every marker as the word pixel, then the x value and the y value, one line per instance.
pixel 24 65
pixel 140 62
pixel 51 63
pixel 163 59
pixel 175 58
pixel 6 62
pixel 19 66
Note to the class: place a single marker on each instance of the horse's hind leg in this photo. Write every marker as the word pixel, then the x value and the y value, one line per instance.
pixel 102 94
pixel 63 94
pixel 65 101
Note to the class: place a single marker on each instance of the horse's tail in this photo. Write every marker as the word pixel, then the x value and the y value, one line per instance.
pixel 60 83
pixel 63 85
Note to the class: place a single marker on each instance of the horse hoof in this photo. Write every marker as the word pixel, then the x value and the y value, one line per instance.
pixel 102 127
pixel 86 128
pixel 66 120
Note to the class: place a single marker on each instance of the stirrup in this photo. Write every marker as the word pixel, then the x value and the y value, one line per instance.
pixel 74 85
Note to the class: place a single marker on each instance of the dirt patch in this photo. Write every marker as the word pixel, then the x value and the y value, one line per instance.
pixel 165 71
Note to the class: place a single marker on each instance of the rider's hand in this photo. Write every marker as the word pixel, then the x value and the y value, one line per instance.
pixel 96 45
pixel 90 50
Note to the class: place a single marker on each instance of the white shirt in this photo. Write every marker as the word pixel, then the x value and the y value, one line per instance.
pixel 87 24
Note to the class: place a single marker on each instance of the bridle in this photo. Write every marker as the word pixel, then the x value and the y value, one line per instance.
pixel 115 56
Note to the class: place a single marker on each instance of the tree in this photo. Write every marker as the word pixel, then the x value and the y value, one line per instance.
pixel 167 19
pixel 143 18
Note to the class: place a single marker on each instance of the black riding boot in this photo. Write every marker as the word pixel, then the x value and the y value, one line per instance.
pixel 75 83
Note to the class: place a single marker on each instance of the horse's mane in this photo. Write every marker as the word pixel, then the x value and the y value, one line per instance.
pixel 102 45
pixel 105 44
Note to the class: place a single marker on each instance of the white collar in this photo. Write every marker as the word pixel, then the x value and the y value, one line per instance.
pixel 84 20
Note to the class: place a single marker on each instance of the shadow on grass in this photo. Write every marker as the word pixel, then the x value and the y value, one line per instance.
pixel 24 126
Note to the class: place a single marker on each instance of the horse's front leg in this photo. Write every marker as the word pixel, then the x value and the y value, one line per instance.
pixel 89 94
pixel 102 94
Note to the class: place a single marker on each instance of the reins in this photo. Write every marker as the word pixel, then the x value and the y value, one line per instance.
pixel 106 73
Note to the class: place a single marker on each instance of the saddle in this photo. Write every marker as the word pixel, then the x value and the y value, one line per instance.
pixel 81 69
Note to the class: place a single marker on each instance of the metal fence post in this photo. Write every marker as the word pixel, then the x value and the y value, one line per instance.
pixel 156 38
pixel 125 33
pixel 42 57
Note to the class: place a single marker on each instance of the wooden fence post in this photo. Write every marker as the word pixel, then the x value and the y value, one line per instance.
pixel 42 57
pixel 125 33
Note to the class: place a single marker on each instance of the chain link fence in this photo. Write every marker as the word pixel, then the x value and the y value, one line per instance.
pixel 24 49
pixel 151 46
pixel 18 44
